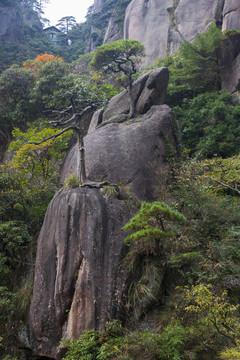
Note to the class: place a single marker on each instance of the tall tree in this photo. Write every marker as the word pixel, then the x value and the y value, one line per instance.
pixel 122 56
pixel 66 23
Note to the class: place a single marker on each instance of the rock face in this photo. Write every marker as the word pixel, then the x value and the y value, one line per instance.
pixel 128 152
pixel 78 284
pixel 97 5
pixel 154 23
pixel 77 273
pixel 231 14
pixel 11 26
pixel 13 19
pixel 31 18
pixel 230 75
pixel 150 89
pixel 113 32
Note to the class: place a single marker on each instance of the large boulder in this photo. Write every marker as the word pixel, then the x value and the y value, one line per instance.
pixel 77 273
pixel 120 103
pixel 150 89
pixel 130 152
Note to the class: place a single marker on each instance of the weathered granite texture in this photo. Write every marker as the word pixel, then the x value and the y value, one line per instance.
pixel 150 89
pixel 158 24
pixel 231 14
pixel 113 32
pixel 128 152
pixel 77 275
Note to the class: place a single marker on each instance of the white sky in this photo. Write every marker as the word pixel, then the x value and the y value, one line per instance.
pixel 56 9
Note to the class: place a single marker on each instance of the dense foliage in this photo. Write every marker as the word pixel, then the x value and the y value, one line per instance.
pixel 33 96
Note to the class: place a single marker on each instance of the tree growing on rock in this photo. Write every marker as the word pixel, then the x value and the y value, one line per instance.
pixel 84 98
pixel 71 118
pixel 120 57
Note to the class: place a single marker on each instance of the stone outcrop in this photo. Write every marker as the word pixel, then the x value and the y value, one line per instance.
pixel 77 277
pixel 131 152
pixel 97 5
pixel 160 25
pixel 150 89
pixel 128 152
pixel 230 74
pixel 231 14
pixel 11 25
pixel 13 19
pixel 113 32
pixel 31 18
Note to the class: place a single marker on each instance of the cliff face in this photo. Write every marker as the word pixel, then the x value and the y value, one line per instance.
pixel 11 24
pixel 12 20
pixel 161 25
pixel 97 5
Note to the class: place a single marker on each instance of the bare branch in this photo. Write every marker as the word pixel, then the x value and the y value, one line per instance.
pixel 223 184
pixel 55 135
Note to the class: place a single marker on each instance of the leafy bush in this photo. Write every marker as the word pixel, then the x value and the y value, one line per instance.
pixel 210 124
pixel 14 242
pixel 215 309
pixel 86 348
pixel 232 353
pixel 172 340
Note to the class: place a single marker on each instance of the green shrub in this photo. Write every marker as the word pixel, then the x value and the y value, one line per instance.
pixel 232 353
pixel 110 191
pixel 172 340
pixel 85 348
pixel 210 124
pixel 71 182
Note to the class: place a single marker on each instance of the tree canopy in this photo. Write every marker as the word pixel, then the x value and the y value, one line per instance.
pixel 121 57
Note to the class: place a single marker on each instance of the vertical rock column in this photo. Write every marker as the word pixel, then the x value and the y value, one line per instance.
pixel 78 255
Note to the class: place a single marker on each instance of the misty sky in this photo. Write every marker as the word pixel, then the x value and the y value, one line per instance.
pixel 56 9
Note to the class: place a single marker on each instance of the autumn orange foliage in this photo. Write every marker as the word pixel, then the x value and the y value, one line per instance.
pixel 40 60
